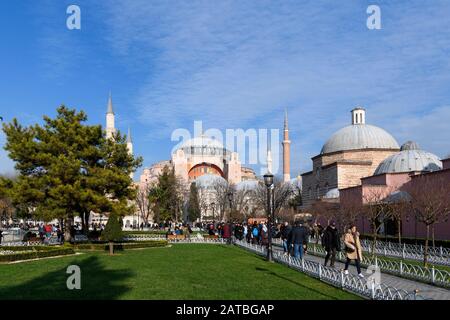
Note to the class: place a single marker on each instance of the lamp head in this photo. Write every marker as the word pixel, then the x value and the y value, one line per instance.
pixel 268 179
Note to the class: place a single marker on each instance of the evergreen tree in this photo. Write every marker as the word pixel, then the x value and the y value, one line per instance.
pixel 68 168
pixel 193 205
pixel 112 231
pixel 167 196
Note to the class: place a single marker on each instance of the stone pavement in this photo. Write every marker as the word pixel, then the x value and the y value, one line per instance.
pixel 425 290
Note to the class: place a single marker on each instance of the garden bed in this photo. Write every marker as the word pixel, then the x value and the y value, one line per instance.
pixel 120 246
pixel 32 252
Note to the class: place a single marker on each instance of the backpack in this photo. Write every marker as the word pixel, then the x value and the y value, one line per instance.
pixel 255 232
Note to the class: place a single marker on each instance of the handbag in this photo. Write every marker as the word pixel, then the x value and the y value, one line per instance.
pixel 349 250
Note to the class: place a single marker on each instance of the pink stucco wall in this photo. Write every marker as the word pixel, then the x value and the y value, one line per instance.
pixel 390 183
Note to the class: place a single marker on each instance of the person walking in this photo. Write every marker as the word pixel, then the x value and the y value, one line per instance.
pixel 226 232
pixel 299 238
pixel 353 249
pixel 331 243
pixel 285 230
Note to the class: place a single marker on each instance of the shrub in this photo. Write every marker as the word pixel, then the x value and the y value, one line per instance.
pixel 121 246
pixel 36 253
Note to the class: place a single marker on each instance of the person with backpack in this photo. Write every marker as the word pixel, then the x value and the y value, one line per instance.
pixel 331 243
pixel 255 233
pixel 353 249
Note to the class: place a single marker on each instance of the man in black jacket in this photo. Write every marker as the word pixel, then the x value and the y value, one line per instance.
pixel 299 237
pixel 331 243
pixel 285 230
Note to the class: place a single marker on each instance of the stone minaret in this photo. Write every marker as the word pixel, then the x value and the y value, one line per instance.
pixel 286 151
pixel 269 158
pixel 110 126
pixel 130 147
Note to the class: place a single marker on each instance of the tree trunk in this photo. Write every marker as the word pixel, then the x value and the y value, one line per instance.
pixel 374 238
pixel 399 226
pixel 432 236
pixel 67 229
pixel 425 252
pixel 86 222
pixel 111 248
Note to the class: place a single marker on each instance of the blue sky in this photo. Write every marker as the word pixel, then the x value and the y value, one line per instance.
pixel 231 64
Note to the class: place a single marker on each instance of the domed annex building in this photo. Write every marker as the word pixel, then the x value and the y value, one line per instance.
pixel 351 153
pixel 390 183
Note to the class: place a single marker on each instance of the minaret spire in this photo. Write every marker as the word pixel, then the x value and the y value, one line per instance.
pixel 110 119
pixel 286 150
pixel 285 119
pixel 110 105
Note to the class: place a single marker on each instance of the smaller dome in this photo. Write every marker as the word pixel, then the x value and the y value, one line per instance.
pixel 296 182
pixel 410 145
pixel 332 194
pixel 247 185
pixel 408 161
pixel 209 180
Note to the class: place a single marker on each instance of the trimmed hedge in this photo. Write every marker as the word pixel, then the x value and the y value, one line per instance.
pixel 120 246
pixel 28 248
pixel 35 253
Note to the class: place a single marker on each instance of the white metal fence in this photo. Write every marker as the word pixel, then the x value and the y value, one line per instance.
pixel 337 278
pixel 406 270
pixel 435 255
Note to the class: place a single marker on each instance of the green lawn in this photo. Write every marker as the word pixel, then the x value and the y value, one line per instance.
pixel 183 271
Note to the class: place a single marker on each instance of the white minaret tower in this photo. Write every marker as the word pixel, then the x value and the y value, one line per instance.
pixel 130 148
pixel 286 150
pixel 269 157
pixel 110 126
pixel 129 142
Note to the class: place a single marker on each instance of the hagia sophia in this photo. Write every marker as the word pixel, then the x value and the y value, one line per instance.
pixel 354 158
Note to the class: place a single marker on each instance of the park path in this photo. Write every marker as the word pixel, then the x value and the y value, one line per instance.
pixel 425 290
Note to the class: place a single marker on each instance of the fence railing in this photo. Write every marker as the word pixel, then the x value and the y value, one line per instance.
pixel 436 251
pixel 440 256
pixel 405 270
pixel 363 287
pixel 435 255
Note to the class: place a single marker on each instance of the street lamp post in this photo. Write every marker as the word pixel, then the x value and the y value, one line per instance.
pixel 268 180
pixel 230 199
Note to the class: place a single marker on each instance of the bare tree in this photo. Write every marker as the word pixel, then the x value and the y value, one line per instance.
pixel 347 213
pixel 220 189
pixel 430 202
pixel 324 209
pixel 281 194
pixel 143 202
pixel 399 201
pixel 377 210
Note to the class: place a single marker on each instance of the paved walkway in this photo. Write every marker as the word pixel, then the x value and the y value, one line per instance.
pixel 425 290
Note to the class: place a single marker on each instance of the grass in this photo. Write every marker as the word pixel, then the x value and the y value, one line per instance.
pixel 183 271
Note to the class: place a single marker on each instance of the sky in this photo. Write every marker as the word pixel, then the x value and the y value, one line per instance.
pixel 231 64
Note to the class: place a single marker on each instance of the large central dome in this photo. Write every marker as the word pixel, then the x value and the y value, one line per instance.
pixel 359 135
pixel 203 145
